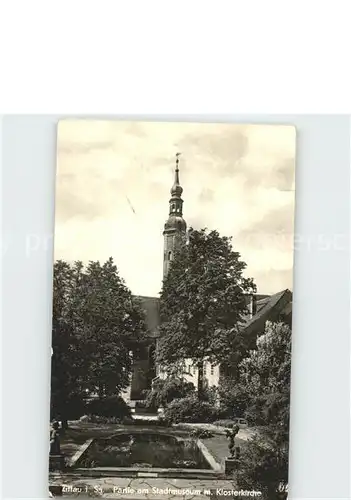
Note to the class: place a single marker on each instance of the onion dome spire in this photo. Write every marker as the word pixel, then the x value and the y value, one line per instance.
pixel 177 189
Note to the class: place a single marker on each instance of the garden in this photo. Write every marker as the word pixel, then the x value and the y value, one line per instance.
pixel 98 326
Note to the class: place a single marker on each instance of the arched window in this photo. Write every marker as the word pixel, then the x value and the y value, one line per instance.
pixel 169 255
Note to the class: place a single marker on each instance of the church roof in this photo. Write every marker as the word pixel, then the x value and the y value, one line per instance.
pixel 175 222
pixel 151 306
pixel 269 309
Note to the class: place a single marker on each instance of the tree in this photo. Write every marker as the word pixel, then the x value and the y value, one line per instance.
pixel 164 391
pixel 96 325
pixel 202 302
pixel 265 374
pixel 264 466
pixel 67 367
pixel 114 326
pixel 232 397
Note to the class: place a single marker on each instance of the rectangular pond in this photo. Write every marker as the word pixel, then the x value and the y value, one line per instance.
pixel 144 450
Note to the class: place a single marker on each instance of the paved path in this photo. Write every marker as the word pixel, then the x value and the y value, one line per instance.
pixel 138 416
pixel 147 488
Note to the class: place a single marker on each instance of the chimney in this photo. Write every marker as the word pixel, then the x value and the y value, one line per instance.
pixel 252 305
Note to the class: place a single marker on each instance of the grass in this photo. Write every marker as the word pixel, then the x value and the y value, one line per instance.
pixel 218 446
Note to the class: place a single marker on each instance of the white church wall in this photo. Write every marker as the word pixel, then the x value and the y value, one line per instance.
pixel 190 373
pixel 211 373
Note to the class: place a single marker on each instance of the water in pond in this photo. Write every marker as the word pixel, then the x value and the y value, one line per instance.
pixel 143 450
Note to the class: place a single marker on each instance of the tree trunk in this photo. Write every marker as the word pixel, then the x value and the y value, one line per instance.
pixel 62 415
pixel 64 424
pixel 200 380
pixel 64 419
pixel 101 391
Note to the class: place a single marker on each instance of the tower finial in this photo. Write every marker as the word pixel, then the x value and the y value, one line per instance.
pixel 177 160
pixel 176 188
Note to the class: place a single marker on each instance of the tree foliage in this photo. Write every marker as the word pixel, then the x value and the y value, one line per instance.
pixel 202 301
pixel 265 377
pixel 232 397
pixel 189 409
pixel 96 325
pixel 264 466
pixel 111 406
pixel 164 391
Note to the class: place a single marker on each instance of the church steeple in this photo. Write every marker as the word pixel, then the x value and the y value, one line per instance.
pixel 177 189
pixel 175 226
pixel 176 202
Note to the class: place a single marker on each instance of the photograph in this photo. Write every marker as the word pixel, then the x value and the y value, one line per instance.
pixel 172 310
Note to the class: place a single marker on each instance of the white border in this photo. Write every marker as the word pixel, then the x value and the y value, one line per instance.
pixel 203 56
pixel 320 460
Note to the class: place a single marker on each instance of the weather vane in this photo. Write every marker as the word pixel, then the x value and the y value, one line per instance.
pixel 177 158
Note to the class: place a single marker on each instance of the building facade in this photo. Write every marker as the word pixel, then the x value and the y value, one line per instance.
pixel 260 309
pixel 144 367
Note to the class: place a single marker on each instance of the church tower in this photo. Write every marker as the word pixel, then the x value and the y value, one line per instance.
pixel 175 226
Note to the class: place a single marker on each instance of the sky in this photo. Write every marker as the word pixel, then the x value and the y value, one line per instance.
pixel 113 188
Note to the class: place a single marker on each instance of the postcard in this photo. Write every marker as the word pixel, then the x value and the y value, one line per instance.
pixel 172 310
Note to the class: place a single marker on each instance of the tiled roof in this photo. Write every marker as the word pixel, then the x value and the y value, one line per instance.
pixel 261 303
pixel 287 309
pixel 152 311
pixel 268 309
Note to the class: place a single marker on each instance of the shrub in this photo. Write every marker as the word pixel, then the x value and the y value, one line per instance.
pixel 210 394
pixel 264 465
pixel 189 409
pixel 161 422
pixel 225 423
pixel 201 434
pixel 96 419
pixel 74 406
pixel 166 390
pixel 112 406
pixel 233 399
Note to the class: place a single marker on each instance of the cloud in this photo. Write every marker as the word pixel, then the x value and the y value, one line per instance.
pixel 273 280
pixel 285 175
pixel 279 221
pixel 69 148
pixel 206 195
pixel 220 152
pixel 113 189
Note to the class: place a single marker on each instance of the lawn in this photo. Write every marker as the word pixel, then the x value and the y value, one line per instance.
pixel 218 446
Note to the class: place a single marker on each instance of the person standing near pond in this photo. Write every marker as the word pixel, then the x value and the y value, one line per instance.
pixel 55 439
